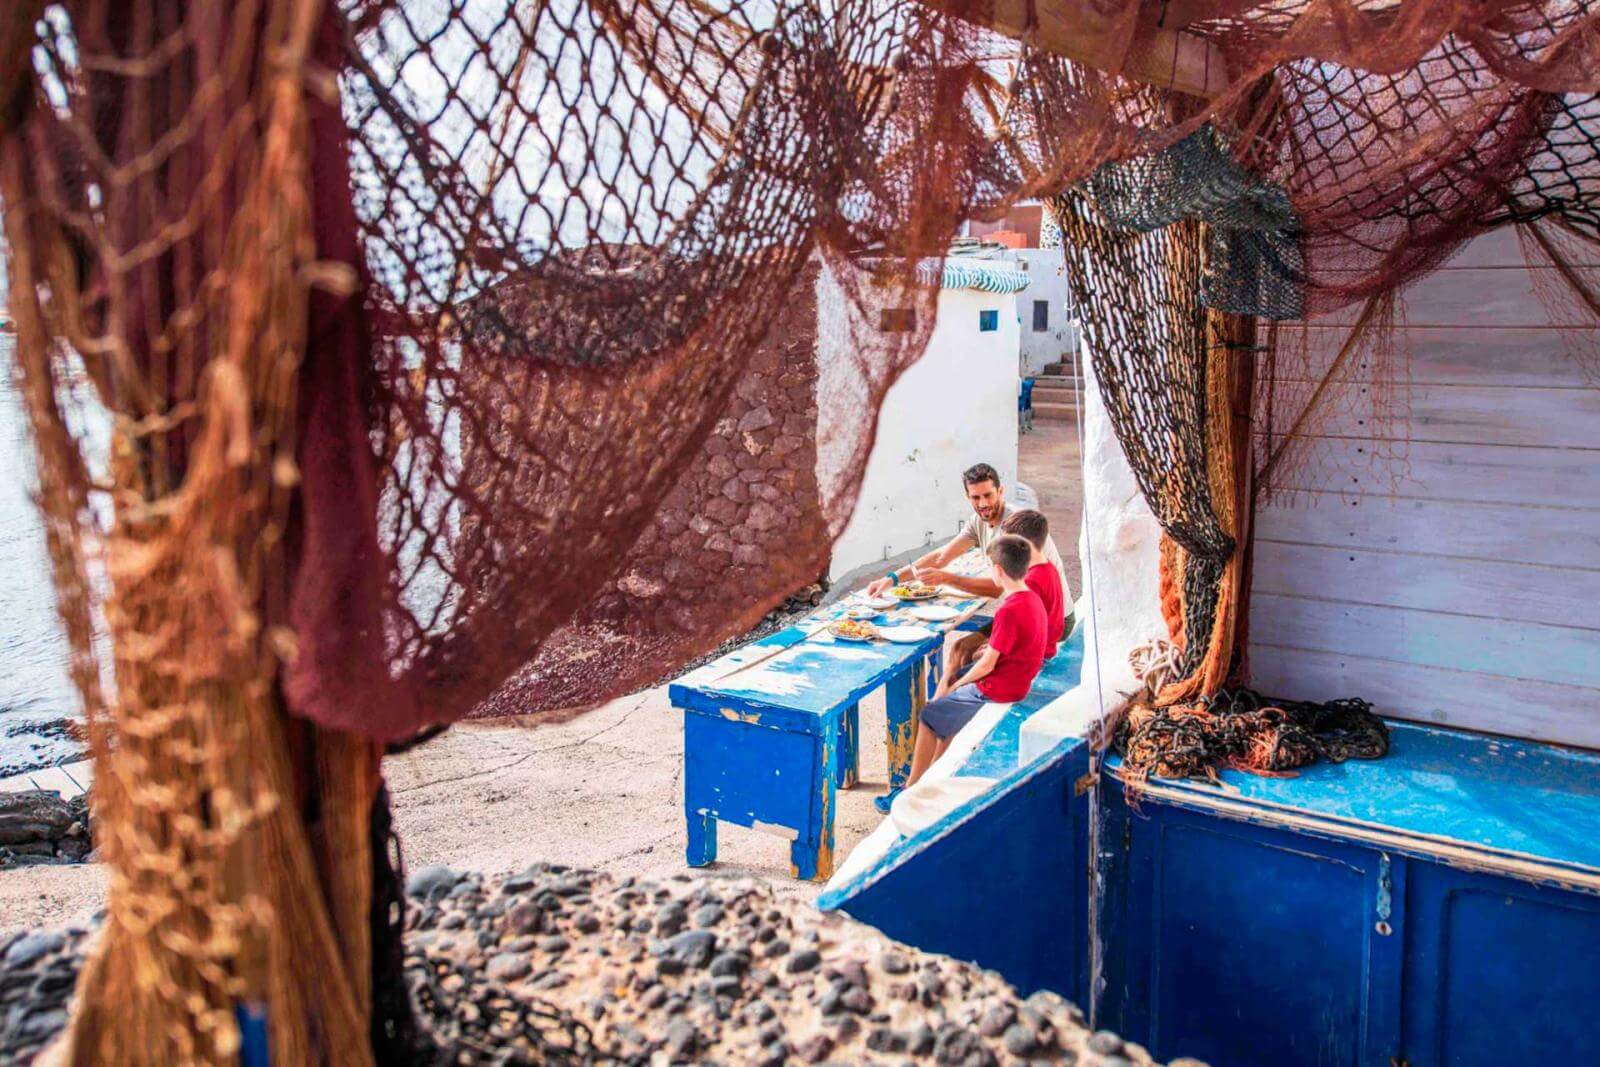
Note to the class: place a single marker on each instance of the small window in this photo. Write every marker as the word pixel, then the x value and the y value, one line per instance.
pixel 1041 316
pixel 897 320
pixel 988 321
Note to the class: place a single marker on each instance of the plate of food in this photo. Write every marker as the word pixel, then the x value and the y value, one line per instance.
pixel 934 612
pixel 867 612
pixel 914 591
pixel 853 630
pixel 906 635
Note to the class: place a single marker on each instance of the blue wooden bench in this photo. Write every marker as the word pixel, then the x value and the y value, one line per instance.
pixel 772 731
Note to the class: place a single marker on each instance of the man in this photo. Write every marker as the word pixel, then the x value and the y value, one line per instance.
pixel 1003 672
pixel 989 511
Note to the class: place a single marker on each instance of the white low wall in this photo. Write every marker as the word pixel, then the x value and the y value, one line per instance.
pixel 954 407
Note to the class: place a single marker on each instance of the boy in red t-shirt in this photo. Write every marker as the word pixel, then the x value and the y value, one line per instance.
pixel 1043 578
pixel 1003 673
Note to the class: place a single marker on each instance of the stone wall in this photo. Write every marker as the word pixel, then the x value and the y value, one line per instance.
pixel 745 514
pixel 751 495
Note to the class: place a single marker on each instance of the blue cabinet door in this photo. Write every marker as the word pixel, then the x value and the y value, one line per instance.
pixel 1240 944
pixel 1498 971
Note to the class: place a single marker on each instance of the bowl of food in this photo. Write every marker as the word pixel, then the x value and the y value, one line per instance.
pixel 853 630
pixel 914 591
pixel 862 613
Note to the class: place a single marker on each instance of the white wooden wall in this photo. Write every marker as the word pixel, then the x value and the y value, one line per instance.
pixel 1470 593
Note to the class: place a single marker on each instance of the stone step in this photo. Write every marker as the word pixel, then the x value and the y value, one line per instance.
pixel 1055 387
pixel 1058 369
pixel 1055 412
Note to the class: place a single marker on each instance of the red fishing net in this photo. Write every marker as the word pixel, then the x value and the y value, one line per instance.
pixel 385 358
pixel 551 396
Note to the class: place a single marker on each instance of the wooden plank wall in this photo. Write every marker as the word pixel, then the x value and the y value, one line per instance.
pixel 1467 593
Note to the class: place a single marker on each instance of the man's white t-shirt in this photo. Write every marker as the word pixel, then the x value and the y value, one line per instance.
pixel 984 534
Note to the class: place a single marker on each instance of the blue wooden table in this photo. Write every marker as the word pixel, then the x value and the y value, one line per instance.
pixel 772 730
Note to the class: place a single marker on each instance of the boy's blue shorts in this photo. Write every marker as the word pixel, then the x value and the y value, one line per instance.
pixel 947 715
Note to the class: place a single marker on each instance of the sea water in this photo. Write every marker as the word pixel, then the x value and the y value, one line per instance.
pixel 34 686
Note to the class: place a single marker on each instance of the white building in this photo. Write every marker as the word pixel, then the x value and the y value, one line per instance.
pixel 954 407
pixel 1047 323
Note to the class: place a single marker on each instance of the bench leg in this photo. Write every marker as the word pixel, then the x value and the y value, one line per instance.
pixel 850 747
pixel 904 696
pixel 811 854
pixel 702 849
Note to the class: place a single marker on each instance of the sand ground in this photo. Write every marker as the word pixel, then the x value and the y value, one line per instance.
pixel 603 790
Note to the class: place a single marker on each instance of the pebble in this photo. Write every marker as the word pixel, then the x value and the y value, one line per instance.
pixel 682 1039
pixel 997 1020
pixel 525 918
pixel 814 1048
pixel 804 960
pixel 431 883
pixel 1019 1040
pixel 1105 1043
pixel 507 967
pixel 32 947
pixel 528 963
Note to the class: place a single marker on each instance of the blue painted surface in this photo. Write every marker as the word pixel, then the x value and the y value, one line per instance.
pixel 1514 797
pixel 1498 972
pixel 996 755
pixel 772 732
pixel 1002 882
pixel 1370 913
pixel 1238 945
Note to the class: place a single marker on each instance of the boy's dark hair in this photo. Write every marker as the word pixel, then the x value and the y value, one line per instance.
pixel 1011 554
pixel 980 472
pixel 1029 525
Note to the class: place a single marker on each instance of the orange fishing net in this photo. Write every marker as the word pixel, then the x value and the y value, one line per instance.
pixel 374 348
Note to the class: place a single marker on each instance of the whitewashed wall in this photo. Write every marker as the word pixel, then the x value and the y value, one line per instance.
pixel 955 407
pixel 1048 282
pixel 1471 595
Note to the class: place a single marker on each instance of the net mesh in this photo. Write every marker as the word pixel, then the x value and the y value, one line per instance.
pixel 383 356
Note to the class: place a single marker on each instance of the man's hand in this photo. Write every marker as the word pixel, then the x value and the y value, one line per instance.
pixel 879 587
pixel 941 692
pixel 933 576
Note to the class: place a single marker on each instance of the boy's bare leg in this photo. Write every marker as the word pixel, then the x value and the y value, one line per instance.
pixel 959 654
pixel 927 749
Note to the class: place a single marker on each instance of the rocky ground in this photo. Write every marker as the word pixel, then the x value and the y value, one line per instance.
pixel 568 966
pixel 689 970
pixel 38 827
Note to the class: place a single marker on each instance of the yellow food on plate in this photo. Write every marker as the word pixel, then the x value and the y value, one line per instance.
pixel 851 630
pixel 914 591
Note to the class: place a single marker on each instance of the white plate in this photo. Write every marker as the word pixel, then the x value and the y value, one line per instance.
pixel 933 613
pixel 883 603
pixel 905 635
pixel 863 613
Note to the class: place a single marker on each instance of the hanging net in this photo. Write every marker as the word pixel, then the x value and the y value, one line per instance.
pixel 391 360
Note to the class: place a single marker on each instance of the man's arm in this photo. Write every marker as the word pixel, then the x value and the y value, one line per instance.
pixel 976 673
pixel 937 558
pixel 975 585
